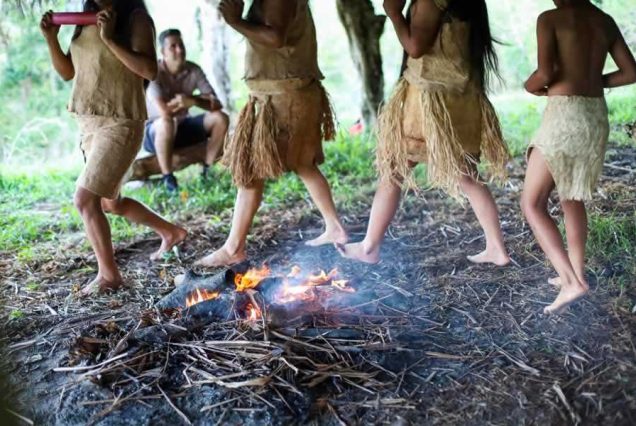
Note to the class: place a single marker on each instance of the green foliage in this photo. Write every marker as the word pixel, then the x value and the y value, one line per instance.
pixel 38 207
pixel 17 314
pixel 613 237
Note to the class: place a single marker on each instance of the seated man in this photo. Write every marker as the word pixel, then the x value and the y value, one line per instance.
pixel 169 98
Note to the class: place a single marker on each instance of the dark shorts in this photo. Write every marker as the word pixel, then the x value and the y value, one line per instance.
pixel 190 131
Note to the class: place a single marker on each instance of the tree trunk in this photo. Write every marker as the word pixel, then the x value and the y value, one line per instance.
pixel 364 29
pixel 216 51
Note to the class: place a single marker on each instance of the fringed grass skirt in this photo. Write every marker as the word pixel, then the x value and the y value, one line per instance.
pixel 441 128
pixel 280 129
pixel 573 139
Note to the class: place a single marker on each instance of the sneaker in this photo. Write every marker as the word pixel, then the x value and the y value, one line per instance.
pixel 170 182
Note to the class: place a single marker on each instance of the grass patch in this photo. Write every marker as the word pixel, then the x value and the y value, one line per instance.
pixel 37 207
pixel 612 242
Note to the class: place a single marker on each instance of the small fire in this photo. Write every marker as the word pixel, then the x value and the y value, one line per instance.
pixel 199 296
pixel 343 285
pixel 253 313
pixel 295 271
pixel 296 286
pixel 251 278
pixel 322 277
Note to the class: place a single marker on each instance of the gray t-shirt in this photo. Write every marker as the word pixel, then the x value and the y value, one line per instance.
pixel 167 85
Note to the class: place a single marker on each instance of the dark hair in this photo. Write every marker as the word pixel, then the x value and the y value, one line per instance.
pixel 123 9
pixel 483 58
pixel 170 32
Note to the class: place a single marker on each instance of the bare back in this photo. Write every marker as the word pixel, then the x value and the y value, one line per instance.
pixel 578 40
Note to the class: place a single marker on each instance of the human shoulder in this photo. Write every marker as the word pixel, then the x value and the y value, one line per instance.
pixel 549 16
pixel 431 5
pixel 193 68
pixel 611 27
pixel 428 9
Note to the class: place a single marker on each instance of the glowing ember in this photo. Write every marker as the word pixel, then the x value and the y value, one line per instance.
pixel 199 296
pixel 342 285
pixel 322 277
pixel 251 278
pixel 295 271
pixel 253 313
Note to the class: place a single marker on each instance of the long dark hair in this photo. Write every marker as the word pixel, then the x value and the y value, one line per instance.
pixel 483 57
pixel 123 9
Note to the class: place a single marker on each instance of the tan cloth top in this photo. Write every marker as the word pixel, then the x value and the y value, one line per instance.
pixel 447 65
pixel 167 85
pixel 103 85
pixel 298 59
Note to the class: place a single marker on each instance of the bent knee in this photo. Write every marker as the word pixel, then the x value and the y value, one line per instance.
pixel 165 124
pixel 216 118
pixel 112 206
pixel 85 201
pixel 531 205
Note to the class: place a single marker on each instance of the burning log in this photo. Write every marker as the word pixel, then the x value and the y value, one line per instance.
pixel 191 283
pixel 282 296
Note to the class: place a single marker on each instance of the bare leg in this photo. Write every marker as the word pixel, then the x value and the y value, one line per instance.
pixel 385 205
pixel 576 234
pixel 483 204
pixel 171 235
pixel 216 124
pixel 165 132
pixel 98 232
pixel 248 200
pixel 320 192
pixel 534 202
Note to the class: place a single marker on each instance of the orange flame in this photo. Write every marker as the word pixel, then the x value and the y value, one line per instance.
pixel 199 296
pixel 322 277
pixel 295 271
pixel 253 313
pixel 343 285
pixel 251 278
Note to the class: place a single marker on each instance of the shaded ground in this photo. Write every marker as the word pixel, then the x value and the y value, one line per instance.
pixel 442 341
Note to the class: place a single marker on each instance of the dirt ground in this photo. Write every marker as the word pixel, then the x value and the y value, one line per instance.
pixel 438 341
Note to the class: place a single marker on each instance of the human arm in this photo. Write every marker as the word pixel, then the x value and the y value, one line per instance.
pixel 206 100
pixel 141 56
pixel 62 62
pixel 624 59
pixel 182 102
pixel 417 36
pixel 539 81
pixel 277 17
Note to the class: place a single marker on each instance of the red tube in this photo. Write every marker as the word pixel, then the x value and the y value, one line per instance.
pixel 74 18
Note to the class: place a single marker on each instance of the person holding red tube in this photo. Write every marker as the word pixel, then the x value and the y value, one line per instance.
pixel 108 63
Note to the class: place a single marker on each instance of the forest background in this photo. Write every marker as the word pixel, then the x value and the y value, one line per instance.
pixel 39 140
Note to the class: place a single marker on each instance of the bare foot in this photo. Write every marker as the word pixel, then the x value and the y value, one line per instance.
pixel 567 296
pixel 100 286
pixel 356 251
pixel 221 257
pixel 556 281
pixel 496 257
pixel 336 236
pixel 169 241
